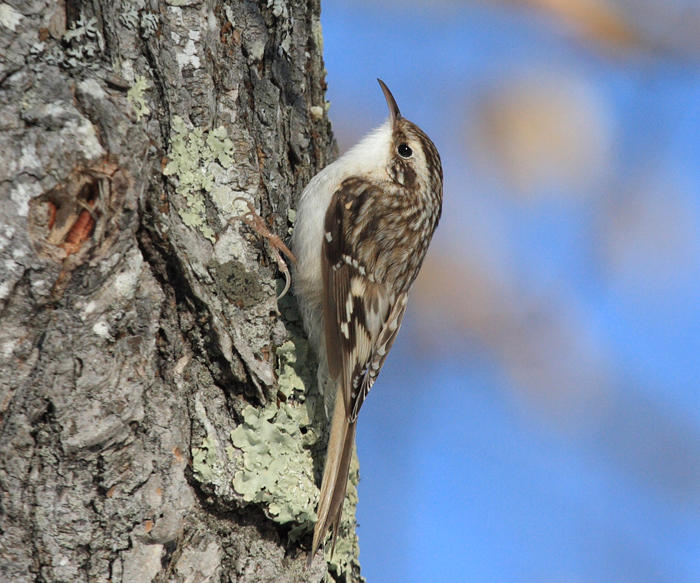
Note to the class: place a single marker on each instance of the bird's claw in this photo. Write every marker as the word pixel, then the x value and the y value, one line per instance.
pixel 256 222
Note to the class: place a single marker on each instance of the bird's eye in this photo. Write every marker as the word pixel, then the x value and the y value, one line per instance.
pixel 405 151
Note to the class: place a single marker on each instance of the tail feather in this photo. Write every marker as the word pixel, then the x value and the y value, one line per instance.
pixel 335 475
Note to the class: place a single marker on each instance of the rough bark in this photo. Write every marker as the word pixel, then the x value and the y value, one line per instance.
pixel 158 422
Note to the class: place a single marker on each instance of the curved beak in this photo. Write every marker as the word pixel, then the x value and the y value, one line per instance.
pixel 391 102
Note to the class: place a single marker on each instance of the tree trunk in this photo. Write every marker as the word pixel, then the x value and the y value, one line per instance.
pixel 159 419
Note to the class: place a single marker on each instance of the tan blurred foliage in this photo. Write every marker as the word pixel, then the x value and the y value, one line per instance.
pixel 609 28
pixel 622 27
pixel 598 21
pixel 542 131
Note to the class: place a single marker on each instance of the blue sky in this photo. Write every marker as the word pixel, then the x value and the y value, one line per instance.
pixel 550 431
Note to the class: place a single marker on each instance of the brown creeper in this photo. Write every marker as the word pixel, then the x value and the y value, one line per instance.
pixel 362 229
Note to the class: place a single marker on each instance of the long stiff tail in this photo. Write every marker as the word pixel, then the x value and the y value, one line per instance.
pixel 335 474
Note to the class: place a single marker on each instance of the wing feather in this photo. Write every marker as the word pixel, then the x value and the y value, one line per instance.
pixel 361 316
pixel 382 346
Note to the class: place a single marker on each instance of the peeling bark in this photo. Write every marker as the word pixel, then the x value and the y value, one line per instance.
pixel 158 418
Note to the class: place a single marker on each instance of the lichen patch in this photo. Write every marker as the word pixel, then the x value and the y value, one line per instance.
pixel 196 160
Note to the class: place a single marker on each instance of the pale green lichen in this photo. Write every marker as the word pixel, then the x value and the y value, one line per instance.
pixel 204 460
pixel 277 468
pixel 269 460
pixel 193 158
pixel 209 465
pixel 135 96
pixel 82 41
pixel 292 356
pixel 80 46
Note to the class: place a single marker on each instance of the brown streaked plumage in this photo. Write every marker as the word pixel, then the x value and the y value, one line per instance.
pixel 356 263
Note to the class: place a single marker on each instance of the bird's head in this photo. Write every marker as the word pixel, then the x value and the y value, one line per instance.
pixel 413 159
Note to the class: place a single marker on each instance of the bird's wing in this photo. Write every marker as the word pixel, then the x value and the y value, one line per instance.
pixel 361 316
pixel 380 351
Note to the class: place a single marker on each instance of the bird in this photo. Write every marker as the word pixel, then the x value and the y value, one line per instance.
pixel 363 226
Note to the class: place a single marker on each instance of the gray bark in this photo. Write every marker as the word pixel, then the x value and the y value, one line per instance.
pixel 157 417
